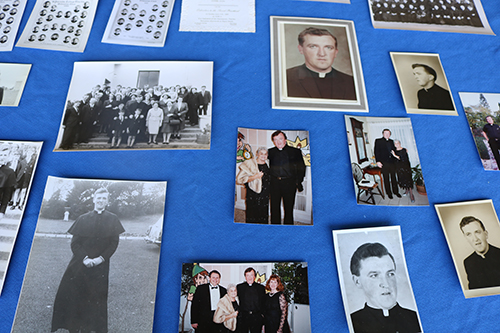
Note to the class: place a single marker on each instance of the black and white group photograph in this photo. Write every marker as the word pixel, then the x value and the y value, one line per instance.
pixel 315 65
pixel 374 281
pixel 12 13
pixel 141 23
pixel 18 160
pixel 59 25
pixel 94 261
pixel 472 231
pixel 482 111
pixel 242 297
pixel 138 105
pixel 465 16
pixel 385 165
pixel 273 177
pixel 12 81
pixel 423 84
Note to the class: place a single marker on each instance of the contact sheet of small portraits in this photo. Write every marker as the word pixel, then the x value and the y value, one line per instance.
pixel 472 231
pixel 61 25
pixel 18 160
pixel 465 16
pixel 139 22
pixel 385 164
pixel 261 167
pixel 11 13
pixel 423 83
pixel 94 258
pixel 281 288
pixel 374 280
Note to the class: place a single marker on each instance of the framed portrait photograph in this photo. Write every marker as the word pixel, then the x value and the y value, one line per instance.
pixel 466 16
pixel 481 110
pixel 238 297
pixel 472 231
pixel 18 160
pixel 93 265
pixel 138 105
pixel 423 84
pixel 315 65
pixel 13 78
pixel 273 177
pixel 374 281
pixel 385 165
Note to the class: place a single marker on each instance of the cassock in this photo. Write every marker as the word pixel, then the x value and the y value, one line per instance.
pixel 399 320
pixel 7 183
pixel 435 98
pixel 82 298
pixel 483 272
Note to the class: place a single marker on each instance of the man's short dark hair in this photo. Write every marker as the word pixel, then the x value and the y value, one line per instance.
pixel 469 219
pixel 214 272
pixel 365 251
pixel 488 117
pixel 250 269
pixel 101 190
pixel 428 69
pixel 386 129
pixel 315 32
pixel 276 133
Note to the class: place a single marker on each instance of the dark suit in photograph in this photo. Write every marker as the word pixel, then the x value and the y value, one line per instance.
pixel 287 171
pixel 483 272
pixel 370 320
pixel 71 124
pixel 435 98
pixel 251 307
pixel 205 99
pixel 302 82
pixel 383 155
pixel 201 310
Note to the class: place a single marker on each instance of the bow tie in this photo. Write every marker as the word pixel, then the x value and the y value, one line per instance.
pixel 217 287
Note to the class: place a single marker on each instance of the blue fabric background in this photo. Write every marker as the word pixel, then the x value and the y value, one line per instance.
pixel 200 196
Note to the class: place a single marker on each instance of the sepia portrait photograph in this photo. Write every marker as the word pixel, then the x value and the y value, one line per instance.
pixel 138 105
pixel 465 16
pixel 12 81
pixel 18 161
pixel 385 165
pixel 472 231
pixel 374 281
pixel 93 265
pixel 273 177
pixel 242 297
pixel 423 84
pixel 483 114
pixel 315 65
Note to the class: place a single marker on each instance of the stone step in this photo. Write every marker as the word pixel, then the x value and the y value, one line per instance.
pixel 7 226
pixel 4 255
pixel 6 246
pixel 8 232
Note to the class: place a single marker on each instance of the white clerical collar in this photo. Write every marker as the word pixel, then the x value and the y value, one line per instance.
pixel 99 211
pixel 320 75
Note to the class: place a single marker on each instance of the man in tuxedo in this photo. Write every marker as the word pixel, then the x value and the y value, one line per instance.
pixel 205 99
pixel 316 78
pixel 387 162
pixel 251 295
pixel 205 301
pixel 287 169
pixel 373 271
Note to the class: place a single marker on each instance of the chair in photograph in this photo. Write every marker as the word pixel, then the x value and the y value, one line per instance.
pixel 364 185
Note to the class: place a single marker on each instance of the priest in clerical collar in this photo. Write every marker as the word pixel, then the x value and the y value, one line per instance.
pixel 316 78
pixel 373 270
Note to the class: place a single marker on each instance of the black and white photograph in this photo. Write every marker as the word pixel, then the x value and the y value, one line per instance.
pixel 316 65
pixel 333 1
pixel 273 177
pixel 13 78
pixel 94 260
pixel 472 231
pixel 482 111
pixel 144 23
pixel 464 16
pixel 241 297
pixel 423 84
pixel 385 165
pixel 138 105
pixel 374 281
pixel 67 23
pixel 12 12
pixel 18 161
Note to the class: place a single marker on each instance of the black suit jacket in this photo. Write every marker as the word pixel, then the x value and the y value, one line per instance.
pixel 296 162
pixel 244 290
pixel 301 82
pixel 383 151
pixel 201 310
